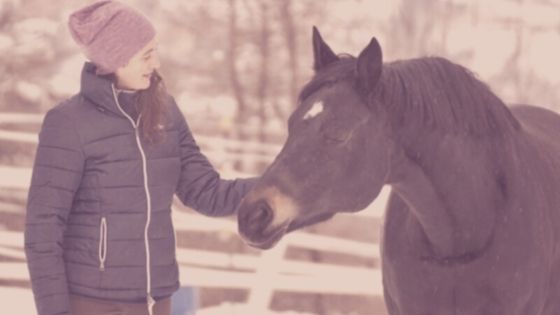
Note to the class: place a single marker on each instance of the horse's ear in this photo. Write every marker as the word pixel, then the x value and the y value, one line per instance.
pixel 369 65
pixel 321 52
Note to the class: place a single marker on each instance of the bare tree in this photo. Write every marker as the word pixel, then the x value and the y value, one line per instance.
pixel 289 30
pixel 262 84
pixel 232 55
pixel 412 29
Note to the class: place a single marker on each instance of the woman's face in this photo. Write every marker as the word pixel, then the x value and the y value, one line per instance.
pixel 135 75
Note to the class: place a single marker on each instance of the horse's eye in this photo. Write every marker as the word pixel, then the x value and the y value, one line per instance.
pixel 336 135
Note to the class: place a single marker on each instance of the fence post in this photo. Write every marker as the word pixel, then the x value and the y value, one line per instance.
pixel 262 288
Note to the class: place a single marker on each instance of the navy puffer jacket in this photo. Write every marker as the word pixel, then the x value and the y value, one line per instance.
pixel 99 210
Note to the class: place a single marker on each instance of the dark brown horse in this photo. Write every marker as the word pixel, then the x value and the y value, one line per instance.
pixel 472 224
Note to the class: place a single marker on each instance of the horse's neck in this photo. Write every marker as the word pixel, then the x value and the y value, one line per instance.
pixel 422 198
pixel 453 189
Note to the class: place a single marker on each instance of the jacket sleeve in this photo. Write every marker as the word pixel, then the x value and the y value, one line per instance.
pixel 57 172
pixel 200 186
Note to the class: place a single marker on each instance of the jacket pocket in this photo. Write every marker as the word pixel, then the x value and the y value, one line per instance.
pixel 102 243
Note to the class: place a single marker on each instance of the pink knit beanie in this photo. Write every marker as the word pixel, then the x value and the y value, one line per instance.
pixel 110 33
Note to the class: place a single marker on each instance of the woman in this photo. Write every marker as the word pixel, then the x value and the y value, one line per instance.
pixel 99 237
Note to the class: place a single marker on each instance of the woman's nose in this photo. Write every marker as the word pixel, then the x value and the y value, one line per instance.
pixel 155 64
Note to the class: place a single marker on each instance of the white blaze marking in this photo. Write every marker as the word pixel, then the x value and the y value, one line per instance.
pixel 315 110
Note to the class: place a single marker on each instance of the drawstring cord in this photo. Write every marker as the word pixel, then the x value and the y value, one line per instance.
pixel 102 243
pixel 151 303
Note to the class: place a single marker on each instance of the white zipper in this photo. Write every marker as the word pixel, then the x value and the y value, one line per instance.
pixel 149 299
pixel 102 243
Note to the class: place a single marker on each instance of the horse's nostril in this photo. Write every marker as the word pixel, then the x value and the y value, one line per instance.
pixel 258 217
pixel 262 213
pixel 255 219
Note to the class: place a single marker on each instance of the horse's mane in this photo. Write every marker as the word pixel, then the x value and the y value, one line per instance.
pixel 429 91
pixel 445 95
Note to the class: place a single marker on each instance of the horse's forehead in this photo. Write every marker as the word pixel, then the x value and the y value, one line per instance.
pixel 335 101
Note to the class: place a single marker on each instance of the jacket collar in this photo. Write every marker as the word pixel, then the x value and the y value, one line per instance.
pixel 99 90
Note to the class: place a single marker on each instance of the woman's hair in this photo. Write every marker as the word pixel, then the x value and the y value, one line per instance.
pixel 152 105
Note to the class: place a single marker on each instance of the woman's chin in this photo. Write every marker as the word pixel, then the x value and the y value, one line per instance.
pixel 144 84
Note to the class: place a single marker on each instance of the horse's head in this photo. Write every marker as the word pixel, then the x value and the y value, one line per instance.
pixel 336 157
